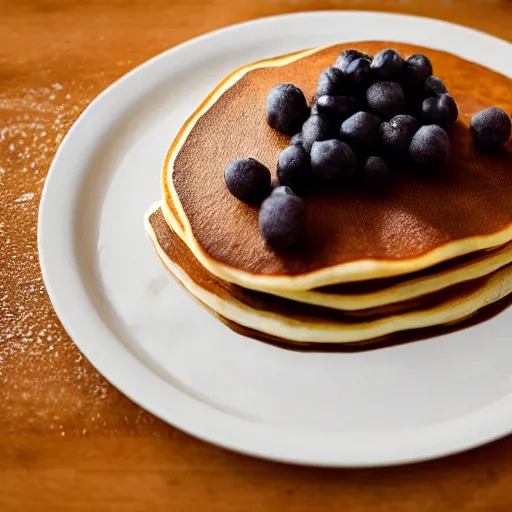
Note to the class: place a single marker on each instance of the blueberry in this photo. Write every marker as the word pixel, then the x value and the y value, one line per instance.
pixel 387 64
pixel 347 56
pixel 441 110
pixel 429 147
pixel 434 86
pixel 361 131
pixel 386 99
pixel 491 127
pixel 282 218
pixel 317 128
pixel 338 107
pixel 358 74
pixel 332 161
pixel 331 82
pixel 375 172
pixel 287 108
pixel 417 68
pixel 248 180
pixel 396 134
pixel 293 168
pixel 296 140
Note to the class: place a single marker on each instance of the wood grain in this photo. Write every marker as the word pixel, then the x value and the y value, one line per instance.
pixel 69 441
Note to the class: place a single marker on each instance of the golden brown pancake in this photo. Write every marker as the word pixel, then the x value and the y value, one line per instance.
pixel 290 320
pixel 179 253
pixel 352 234
pixel 373 293
pixel 397 338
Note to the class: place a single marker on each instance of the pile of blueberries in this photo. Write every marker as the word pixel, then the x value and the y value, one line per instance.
pixel 367 113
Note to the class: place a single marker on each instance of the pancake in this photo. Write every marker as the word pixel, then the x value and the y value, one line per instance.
pixel 397 338
pixel 353 235
pixel 286 320
pixel 379 292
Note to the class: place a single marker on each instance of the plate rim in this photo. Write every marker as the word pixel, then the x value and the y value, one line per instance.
pixel 483 429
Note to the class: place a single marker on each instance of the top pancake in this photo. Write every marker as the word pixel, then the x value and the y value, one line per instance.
pixel 351 233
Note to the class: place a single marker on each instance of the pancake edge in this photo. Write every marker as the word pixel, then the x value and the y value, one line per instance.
pixel 412 289
pixel 496 288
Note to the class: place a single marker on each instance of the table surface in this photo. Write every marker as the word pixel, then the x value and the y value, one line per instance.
pixel 68 440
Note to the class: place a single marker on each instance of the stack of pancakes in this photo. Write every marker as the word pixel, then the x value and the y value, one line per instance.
pixel 428 252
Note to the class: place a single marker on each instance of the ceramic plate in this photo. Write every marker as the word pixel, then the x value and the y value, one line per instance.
pixel 155 344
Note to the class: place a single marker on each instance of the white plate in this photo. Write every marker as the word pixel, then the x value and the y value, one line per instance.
pixel 156 345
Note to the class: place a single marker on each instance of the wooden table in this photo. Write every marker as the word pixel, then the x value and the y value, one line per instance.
pixel 68 440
